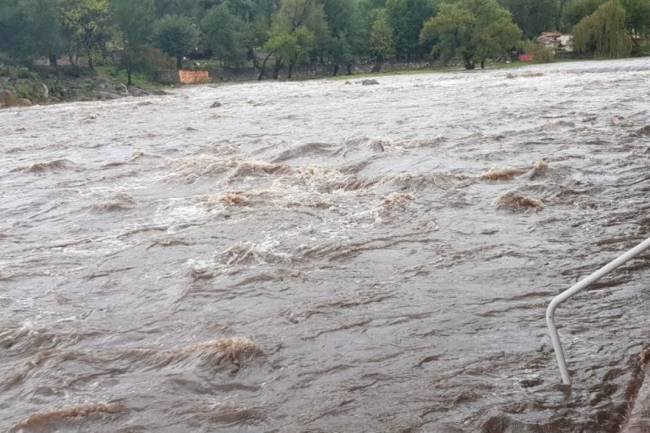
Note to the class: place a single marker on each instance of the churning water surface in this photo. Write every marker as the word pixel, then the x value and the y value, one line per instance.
pixel 324 256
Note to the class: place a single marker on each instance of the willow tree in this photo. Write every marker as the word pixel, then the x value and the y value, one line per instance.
pixel 604 32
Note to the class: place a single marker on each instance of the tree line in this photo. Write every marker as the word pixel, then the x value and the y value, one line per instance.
pixel 275 35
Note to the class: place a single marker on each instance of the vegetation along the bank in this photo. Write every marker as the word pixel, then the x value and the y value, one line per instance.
pixel 274 37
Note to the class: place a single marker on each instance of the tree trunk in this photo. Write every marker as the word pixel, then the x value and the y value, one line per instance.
pixel 263 68
pixel 469 63
pixel 91 65
pixel 349 67
pixel 128 76
pixel 276 70
pixel 290 70
pixel 483 63
pixel 179 62
pixel 378 64
pixel 54 60
pixel 336 70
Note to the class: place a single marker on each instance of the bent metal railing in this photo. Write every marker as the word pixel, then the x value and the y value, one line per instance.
pixel 550 312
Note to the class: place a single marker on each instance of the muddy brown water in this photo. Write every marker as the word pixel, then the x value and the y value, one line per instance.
pixel 327 257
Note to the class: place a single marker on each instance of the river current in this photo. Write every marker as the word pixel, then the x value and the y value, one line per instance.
pixel 325 256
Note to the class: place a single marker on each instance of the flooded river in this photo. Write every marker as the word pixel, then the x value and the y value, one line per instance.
pixel 325 256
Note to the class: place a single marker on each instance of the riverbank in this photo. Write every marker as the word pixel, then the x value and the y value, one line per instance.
pixel 20 87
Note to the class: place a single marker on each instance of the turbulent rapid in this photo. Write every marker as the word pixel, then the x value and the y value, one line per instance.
pixel 324 256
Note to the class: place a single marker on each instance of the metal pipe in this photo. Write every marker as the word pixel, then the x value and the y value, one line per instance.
pixel 550 312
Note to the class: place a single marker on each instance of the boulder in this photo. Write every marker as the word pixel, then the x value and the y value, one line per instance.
pixel 136 91
pixel 42 90
pixel 105 96
pixel 121 89
pixel 22 102
pixel 369 82
pixel 215 104
pixel 6 98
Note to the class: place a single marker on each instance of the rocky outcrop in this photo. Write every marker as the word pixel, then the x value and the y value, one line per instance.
pixel 8 99
pixel 20 87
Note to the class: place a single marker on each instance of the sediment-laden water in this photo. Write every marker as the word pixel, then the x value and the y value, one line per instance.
pixel 327 257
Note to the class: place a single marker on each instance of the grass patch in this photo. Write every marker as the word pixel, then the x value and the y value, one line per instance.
pixel 139 79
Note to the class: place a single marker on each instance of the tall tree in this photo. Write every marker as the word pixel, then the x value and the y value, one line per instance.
pixel 472 30
pixel 296 28
pixel 534 16
pixel 177 36
pixel 576 10
pixel 407 18
pixel 637 18
pixel 346 27
pixel 382 40
pixel 30 29
pixel 225 34
pixel 88 25
pixel 603 33
pixel 134 21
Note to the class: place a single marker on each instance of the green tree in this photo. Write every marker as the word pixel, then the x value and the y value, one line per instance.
pixel 297 28
pixel 603 33
pixel 534 16
pixel 407 18
pixel 346 27
pixel 87 24
pixel 30 29
pixel 177 36
pixel 472 30
pixel 637 18
pixel 576 10
pixel 134 21
pixel 225 34
pixel 381 42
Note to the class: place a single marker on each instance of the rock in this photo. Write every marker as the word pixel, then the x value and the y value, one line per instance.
pixel 136 91
pixel 215 104
pixel 106 96
pixel 121 89
pixel 369 82
pixel 22 102
pixel 6 98
pixel 40 92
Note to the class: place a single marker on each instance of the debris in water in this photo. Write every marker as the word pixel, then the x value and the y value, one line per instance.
pixel 518 203
pixel 216 104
